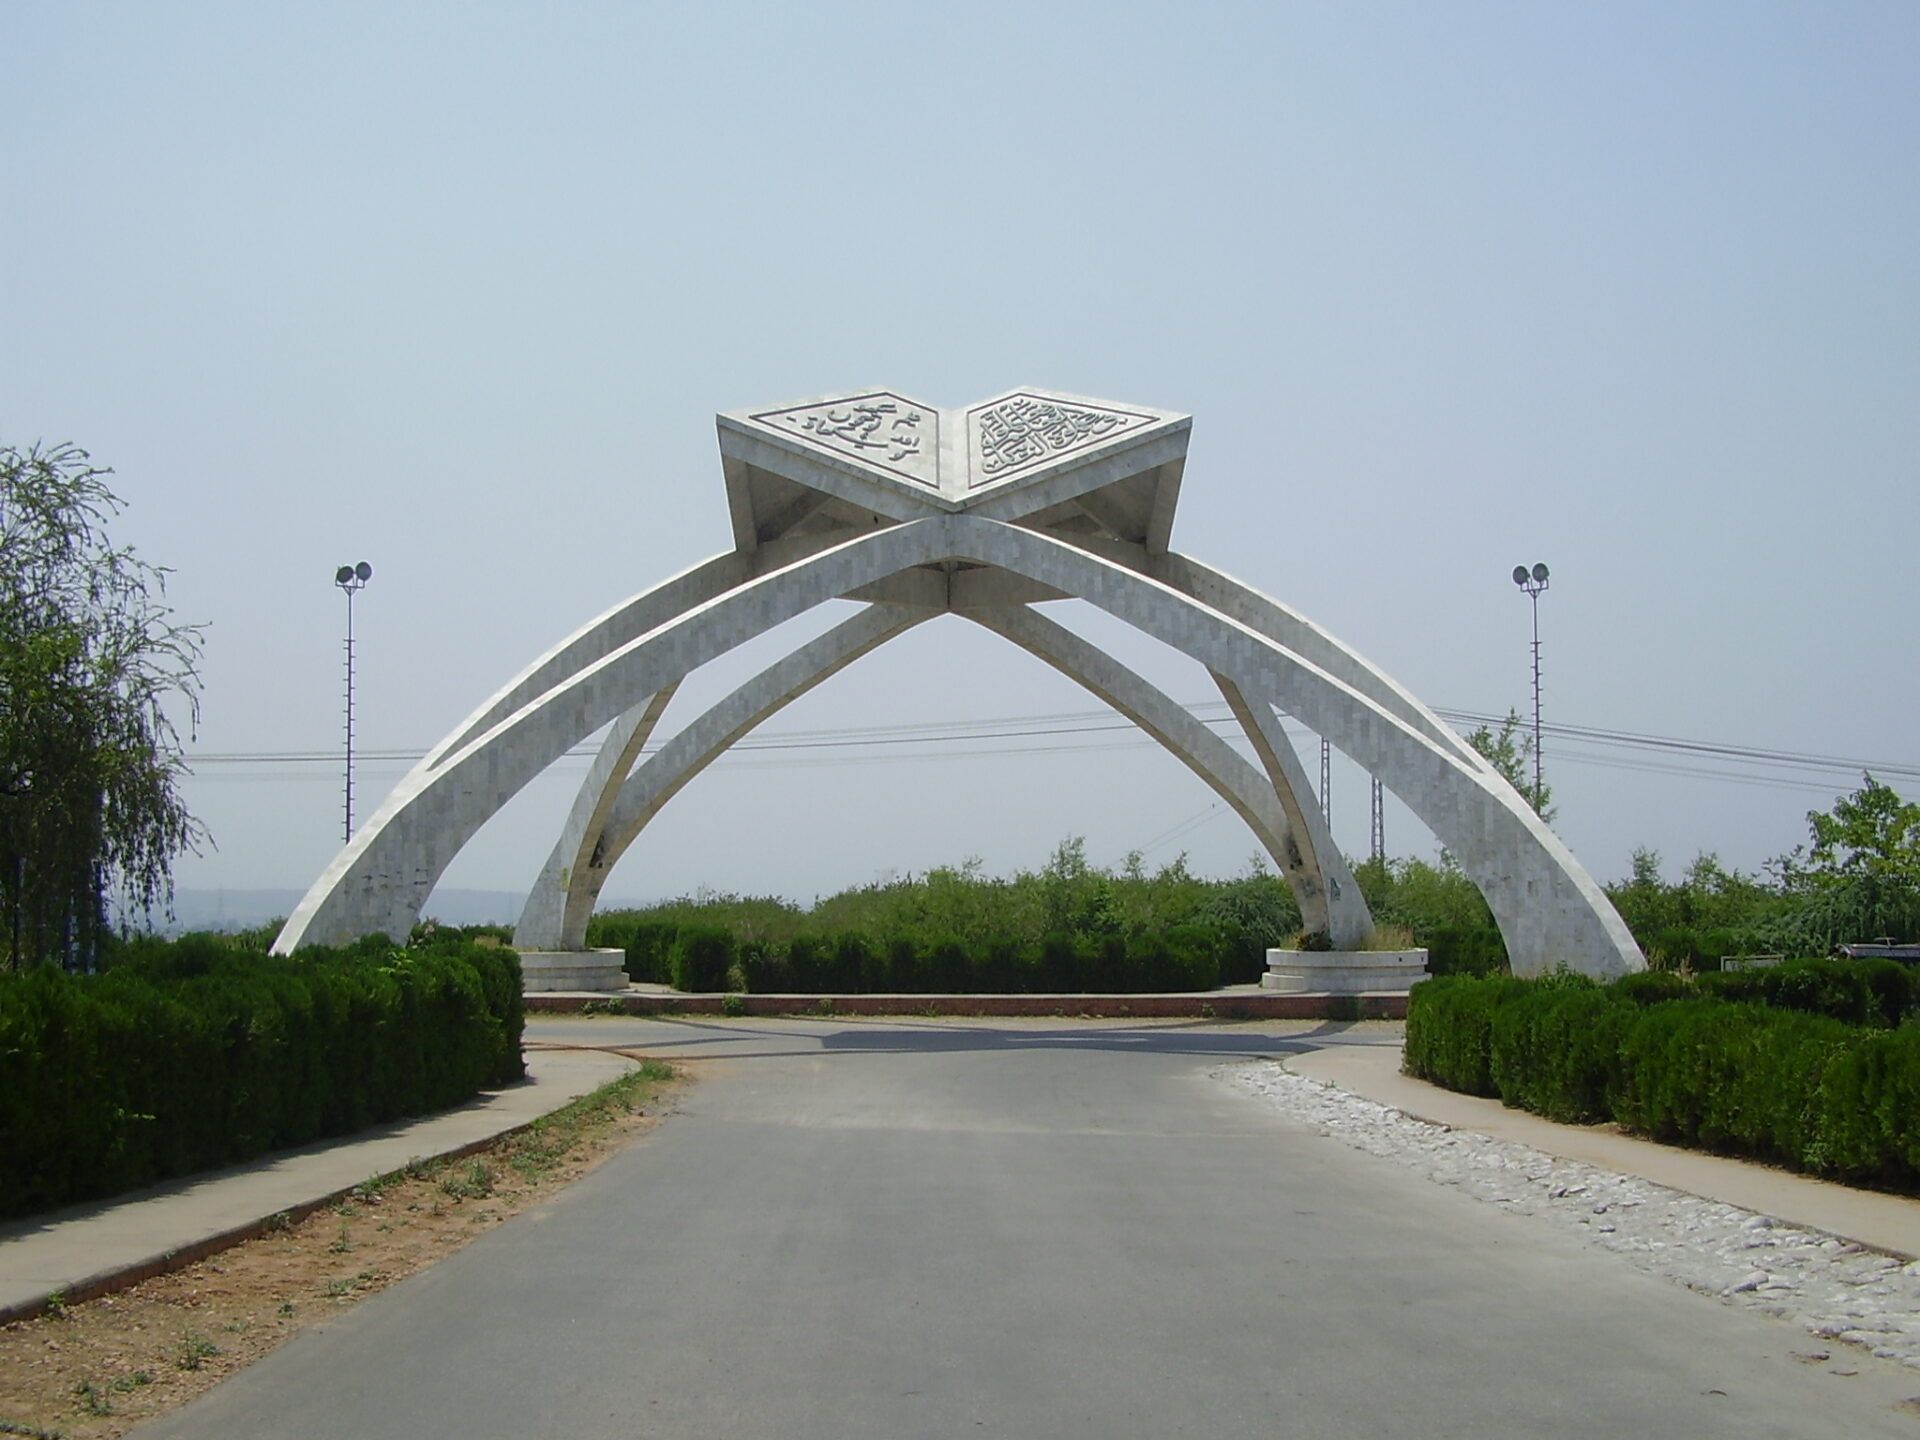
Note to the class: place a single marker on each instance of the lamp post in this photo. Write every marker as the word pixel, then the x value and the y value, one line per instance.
pixel 1533 582
pixel 351 579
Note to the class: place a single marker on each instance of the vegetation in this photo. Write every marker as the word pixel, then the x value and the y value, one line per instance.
pixel 89 760
pixel 1857 879
pixel 201 1052
pixel 1510 750
pixel 1815 1065
pixel 1070 926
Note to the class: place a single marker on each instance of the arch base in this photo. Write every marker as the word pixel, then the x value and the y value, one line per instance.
pixel 1344 972
pixel 542 972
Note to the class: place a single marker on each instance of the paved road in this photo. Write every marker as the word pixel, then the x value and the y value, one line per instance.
pixel 935 1228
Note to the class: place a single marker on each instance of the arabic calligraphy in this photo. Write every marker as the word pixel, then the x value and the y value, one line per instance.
pixel 1022 430
pixel 879 425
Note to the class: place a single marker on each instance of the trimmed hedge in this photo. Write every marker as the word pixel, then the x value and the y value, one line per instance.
pixel 191 1055
pixel 711 958
pixel 1797 1065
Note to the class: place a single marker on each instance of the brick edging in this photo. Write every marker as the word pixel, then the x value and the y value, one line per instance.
pixel 1263 1005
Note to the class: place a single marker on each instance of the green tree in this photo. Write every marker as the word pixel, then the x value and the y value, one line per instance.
pixel 1870 832
pixel 1859 877
pixel 89 760
pixel 1510 751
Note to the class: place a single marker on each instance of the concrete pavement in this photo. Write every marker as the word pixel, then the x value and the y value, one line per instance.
pixel 882 1229
pixel 91 1249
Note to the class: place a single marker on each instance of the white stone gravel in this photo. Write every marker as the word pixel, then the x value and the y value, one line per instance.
pixel 1835 1290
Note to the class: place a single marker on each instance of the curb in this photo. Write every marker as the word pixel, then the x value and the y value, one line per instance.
pixel 128 1272
pixel 125 1277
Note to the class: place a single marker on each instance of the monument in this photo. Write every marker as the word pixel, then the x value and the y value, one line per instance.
pixel 987 513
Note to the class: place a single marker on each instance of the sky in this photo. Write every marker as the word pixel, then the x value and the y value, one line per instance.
pixel 457 289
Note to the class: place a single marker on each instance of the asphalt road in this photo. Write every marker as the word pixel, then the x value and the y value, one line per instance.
pixel 1029 1229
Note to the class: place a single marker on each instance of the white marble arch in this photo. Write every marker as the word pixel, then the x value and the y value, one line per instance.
pixel 613 807
pixel 1548 909
pixel 609 813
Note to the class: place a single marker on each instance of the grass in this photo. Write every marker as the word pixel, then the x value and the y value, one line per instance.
pixel 195 1350
pixel 472 1181
pixel 547 1141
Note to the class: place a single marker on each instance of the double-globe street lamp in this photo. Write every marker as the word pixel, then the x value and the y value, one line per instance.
pixel 1533 582
pixel 351 579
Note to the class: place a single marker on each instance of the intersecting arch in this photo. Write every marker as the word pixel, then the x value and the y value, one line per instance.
pixel 1269 659
pixel 610 813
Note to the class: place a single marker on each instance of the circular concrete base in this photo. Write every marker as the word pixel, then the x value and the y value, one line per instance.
pixel 1343 972
pixel 544 971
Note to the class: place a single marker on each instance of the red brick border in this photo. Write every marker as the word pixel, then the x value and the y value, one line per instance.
pixel 1238 1005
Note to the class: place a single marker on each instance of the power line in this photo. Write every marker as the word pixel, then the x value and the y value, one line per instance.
pixel 976 736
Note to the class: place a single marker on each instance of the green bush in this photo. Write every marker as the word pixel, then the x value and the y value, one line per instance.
pixel 1858 992
pixel 763 967
pixel 1868 1103
pixel 1649 987
pixel 1555 1050
pixel 1754 1062
pixel 700 958
pixel 648 944
pixel 196 1054
pixel 949 966
pixel 1730 1077
pixel 1449 1036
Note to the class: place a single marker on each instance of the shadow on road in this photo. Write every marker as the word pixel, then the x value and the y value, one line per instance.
pixel 898 1036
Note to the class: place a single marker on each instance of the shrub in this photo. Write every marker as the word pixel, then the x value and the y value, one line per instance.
pixel 1717 1067
pixel 648 944
pixel 1858 992
pixel 809 964
pixel 700 958
pixel 1555 1050
pixel 1450 1029
pixel 197 1054
pixel 948 966
pixel 763 967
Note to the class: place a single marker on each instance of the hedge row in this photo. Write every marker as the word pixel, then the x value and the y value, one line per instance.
pixel 711 958
pixel 1687 1064
pixel 191 1055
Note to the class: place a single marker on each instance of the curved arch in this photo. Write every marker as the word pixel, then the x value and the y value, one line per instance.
pixel 379 881
pixel 1547 907
pixel 541 916
pixel 1294 835
pixel 1239 601
pixel 558 919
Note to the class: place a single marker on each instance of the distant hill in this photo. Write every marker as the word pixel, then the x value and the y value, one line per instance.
pixel 244 909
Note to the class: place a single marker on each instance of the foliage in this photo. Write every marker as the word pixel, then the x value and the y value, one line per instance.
pixel 700 957
pixel 192 1054
pixel 1815 1065
pixel 1709 913
pixel 1068 925
pixel 89 760
pixel 1510 750
pixel 1872 832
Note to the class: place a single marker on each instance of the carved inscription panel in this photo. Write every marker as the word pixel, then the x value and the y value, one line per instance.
pixel 1015 434
pixel 886 431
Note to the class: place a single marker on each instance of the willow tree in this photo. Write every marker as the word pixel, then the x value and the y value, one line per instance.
pixel 90 657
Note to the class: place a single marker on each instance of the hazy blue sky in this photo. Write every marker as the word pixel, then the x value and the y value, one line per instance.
pixel 457 289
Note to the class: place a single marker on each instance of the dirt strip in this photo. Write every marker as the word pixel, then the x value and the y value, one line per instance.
pixel 93 1370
